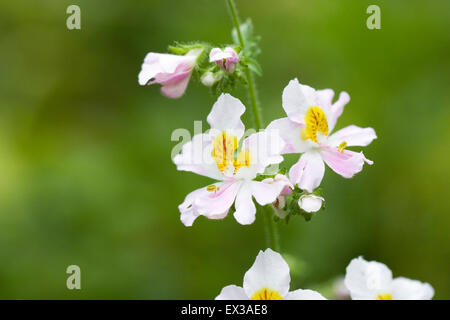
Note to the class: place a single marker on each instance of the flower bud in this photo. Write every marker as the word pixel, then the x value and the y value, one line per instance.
pixel 226 59
pixel 310 203
pixel 209 79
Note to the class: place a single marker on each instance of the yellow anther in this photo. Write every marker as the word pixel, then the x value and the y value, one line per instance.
pixel 342 147
pixel 212 188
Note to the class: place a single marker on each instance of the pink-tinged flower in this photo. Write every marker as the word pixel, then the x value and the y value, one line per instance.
pixel 311 117
pixel 267 279
pixel 280 203
pixel 171 71
pixel 372 280
pixel 226 58
pixel 217 154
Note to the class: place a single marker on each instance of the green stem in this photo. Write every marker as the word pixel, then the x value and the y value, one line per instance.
pixel 248 73
pixel 270 226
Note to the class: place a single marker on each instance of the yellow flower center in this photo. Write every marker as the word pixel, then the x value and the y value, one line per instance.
pixel 384 296
pixel 316 121
pixel 223 153
pixel 266 294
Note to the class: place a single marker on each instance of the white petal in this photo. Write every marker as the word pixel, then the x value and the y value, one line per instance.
pixel 264 148
pixel 290 133
pixel 245 208
pixel 265 193
pixel 366 279
pixel 310 202
pixel 193 157
pixel 406 289
pixel 296 99
pixel 304 295
pixel 308 171
pixel 269 271
pixel 187 208
pixel 226 115
pixel 353 136
pixel 336 109
pixel 232 292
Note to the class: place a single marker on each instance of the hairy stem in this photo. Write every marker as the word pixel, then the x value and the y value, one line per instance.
pixel 248 73
pixel 267 211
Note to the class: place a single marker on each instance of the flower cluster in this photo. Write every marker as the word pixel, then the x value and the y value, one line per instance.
pixel 245 165
pixel 240 164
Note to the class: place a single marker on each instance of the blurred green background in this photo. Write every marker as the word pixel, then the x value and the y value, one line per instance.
pixel 87 177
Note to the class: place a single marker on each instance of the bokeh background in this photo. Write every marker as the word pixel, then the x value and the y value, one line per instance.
pixel 86 173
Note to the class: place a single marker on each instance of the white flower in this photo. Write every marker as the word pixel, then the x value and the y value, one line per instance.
pixel 171 71
pixel 267 279
pixel 216 154
pixel 371 280
pixel 311 117
pixel 310 202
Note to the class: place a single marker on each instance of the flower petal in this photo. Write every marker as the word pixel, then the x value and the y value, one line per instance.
pixel 215 203
pixel 366 279
pixel 337 108
pixel 268 271
pixel 245 208
pixel 226 115
pixel 346 163
pixel 264 149
pixel 187 208
pixel 310 202
pixel 265 193
pixel 175 89
pixel 289 131
pixel 232 292
pixel 304 295
pixel 352 136
pixel 407 289
pixel 193 157
pixel 308 171
pixel 296 100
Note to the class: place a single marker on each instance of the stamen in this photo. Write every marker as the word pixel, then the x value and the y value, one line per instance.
pixel 212 188
pixel 342 147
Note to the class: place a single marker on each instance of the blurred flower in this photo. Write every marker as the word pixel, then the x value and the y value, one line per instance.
pixel 310 202
pixel 226 59
pixel 171 71
pixel 215 154
pixel 267 279
pixel 371 280
pixel 311 116
pixel 209 79
pixel 280 203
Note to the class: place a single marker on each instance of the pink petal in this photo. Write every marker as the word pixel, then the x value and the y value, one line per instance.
pixel 308 171
pixel 346 164
pixel 215 203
